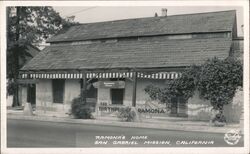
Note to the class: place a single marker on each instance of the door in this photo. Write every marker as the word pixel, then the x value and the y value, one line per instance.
pixel 174 105
pixel 178 107
pixel 58 90
pixel 31 94
pixel 182 107
pixel 117 96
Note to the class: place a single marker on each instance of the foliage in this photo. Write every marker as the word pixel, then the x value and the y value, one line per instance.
pixel 181 87
pixel 28 26
pixel 216 80
pixel 80 109
pixel 219 80
pixel 126 114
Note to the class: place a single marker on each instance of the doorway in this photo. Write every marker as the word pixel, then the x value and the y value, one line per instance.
pixel 31 94
pixel 117 96
pixel 178 107
pixel 174 102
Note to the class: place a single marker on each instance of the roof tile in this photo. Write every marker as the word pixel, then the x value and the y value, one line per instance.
pixel 176 24
pixel 135 54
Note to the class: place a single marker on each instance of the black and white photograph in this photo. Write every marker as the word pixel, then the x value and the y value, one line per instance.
pixel 108 78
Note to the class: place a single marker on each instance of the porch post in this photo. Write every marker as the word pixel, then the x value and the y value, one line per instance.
pixel 134 89
pixel 84 87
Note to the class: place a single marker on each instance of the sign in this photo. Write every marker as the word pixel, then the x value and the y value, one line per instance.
pixel 109 110
pixel 109 84
pixel 27 81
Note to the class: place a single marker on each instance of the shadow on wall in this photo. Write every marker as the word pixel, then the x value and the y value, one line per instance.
pixel 199 109
pixel 200 112
pixel 234 110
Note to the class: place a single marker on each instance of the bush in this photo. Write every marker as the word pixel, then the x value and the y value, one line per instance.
pixel 80 110
pixel 125 114
pixel 219 120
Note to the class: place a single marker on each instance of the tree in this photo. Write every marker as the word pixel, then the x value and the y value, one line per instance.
pixel 27 26
pixel 216 80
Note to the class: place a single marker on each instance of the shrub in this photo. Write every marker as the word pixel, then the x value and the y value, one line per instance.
pixel 126 114
pixel 80 110
pixel 219 120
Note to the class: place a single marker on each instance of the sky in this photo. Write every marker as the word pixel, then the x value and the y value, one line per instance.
pixel 98 14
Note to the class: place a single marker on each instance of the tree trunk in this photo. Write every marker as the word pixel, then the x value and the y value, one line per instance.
pixel 16 62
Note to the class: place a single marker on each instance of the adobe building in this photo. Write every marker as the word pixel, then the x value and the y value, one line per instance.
pixel 116 60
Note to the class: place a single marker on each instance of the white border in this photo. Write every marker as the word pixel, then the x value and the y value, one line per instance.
pixel 243 3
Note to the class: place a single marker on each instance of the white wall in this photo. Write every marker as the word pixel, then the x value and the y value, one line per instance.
pixel 199 109
pixel 72 90
pixel 103 95
pixel 44 98
pixel 141 97
pixel 23 97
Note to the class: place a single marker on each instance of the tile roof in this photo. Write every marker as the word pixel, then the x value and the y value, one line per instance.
pixel 147 53
pixel 176 24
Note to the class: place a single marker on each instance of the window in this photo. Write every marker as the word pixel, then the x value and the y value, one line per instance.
pixel 117 96
pixel 58 90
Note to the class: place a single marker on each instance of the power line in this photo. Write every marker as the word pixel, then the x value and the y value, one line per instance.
pixel 82 10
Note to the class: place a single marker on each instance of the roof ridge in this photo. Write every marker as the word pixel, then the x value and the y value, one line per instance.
pixel 81 24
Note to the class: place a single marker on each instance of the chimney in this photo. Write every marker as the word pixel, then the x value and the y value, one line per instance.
pixel 164 12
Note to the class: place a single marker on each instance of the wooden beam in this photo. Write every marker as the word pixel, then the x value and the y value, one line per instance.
pixel 134 89
pixel 27 81
pixel 84 87
pixel 109 70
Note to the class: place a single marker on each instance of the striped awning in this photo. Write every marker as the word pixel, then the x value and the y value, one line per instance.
pixel 160 75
